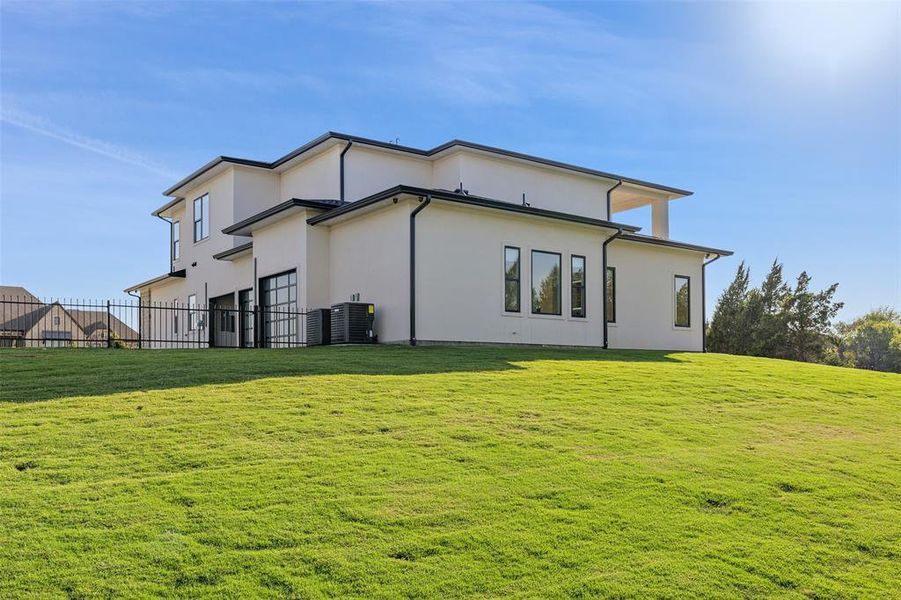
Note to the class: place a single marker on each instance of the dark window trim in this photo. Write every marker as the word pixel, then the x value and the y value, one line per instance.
pixel 518 279
pixel 532 281
pixel 612 305
pixel 675 300
pixel 200 220
pixel 572 287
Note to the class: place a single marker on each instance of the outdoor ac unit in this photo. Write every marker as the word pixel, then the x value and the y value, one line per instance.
pixel 319 327
pixel 352 323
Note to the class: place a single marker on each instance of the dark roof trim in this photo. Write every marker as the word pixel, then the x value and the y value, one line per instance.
pixel 292 203
pixel 419 152
pixel 470 200
pixel 182 273
pixel 631 237
pixel 166 207
pixel 232 251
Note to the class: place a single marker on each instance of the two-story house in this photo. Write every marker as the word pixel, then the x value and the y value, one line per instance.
pixel 460 243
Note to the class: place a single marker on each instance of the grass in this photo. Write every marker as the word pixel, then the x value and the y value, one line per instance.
pixel 444 472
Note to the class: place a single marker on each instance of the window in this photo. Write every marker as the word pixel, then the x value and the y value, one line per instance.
pixel 202 218
pixel 192 312
pixel 577 285
pixel 682 299
pixel 611 294
pixel 176 240
pixel 546 283
pixel 278 301
pixel 512 292
pixel 175 316
pixel 56 320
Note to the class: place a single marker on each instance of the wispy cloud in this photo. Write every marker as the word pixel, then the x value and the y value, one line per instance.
pixel 42 126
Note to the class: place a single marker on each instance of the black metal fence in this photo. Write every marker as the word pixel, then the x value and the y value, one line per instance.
pixel 26 321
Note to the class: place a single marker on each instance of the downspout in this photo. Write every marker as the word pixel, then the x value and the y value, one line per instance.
pixel 171 248
pixel 416 211
pixel 609 201
pixel 341 161
pixel 704 301
pixel 618 233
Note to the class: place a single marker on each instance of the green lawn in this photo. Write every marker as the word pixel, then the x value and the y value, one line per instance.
pixel 443 472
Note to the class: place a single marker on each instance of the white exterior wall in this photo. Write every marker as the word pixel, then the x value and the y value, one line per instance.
pixel 368 171
pixel 370 256
pixel 315 178
pixel 255 191
pixel 544 187
pixel 645 297
pixel 282 247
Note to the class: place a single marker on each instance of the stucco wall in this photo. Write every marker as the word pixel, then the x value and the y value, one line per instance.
pixel 370 256
pixel 255 191
pixel 368 171
pixel 645 296
pixel 315 178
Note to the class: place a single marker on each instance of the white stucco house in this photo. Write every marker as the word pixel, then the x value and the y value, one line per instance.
pixel 459 243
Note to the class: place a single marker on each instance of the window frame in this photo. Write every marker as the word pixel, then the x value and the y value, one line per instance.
pixel 584 286
pixel 192 312
pixel 175 316
pixel 518 279
pixel 204 219
pixel 687 279
pixel 611 302
pixel 176 240
pixel 559 256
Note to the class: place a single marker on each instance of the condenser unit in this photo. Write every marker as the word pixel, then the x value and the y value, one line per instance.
pixel 319 327
pixel 352 323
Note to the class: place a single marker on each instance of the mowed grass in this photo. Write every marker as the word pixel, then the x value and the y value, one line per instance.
pixel 445 472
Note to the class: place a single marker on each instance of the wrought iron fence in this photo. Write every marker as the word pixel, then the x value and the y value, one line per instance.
pixel 26 321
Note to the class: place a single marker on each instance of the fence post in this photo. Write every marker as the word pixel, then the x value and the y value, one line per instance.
pixel 140 325
pixel 256 326
pixel 109 337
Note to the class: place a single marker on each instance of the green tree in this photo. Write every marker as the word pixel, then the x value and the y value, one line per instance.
pixel 871 342
pixel 765 315
pixel 726 329
pixel 808 318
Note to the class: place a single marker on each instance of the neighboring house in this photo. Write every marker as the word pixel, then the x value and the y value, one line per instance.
pixel 460 243
pixel 27 321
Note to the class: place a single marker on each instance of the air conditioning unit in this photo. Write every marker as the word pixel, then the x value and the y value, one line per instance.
pixel 352 323
pixel 319 327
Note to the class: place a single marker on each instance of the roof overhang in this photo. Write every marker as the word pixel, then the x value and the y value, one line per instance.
pixel 351 209
pixel 647 239
pixel 236 252
pixel 278 212
pixel 331 138
pixel 172 275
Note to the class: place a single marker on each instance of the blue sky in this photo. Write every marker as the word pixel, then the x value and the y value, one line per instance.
pixel 783 118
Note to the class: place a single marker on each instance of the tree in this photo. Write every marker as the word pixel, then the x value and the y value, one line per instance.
pixel 871 342
pixel 726 326
pixel 809 316
pixel 765 315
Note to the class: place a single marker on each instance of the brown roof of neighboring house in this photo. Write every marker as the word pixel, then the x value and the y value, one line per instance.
pixel 22 310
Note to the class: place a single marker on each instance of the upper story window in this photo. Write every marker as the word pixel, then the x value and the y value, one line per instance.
pixel 546 290
pixel 202 218
pixel 611 294
pixel 682 301
pixel 577 283
pixel 511 279
pixel 176 240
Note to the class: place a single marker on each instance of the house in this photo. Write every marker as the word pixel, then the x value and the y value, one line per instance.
pixel 27 321
pixel 458 243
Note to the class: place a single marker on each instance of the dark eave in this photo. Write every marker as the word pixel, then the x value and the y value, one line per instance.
pixel 233 251
pixel 319 204
pixel 470 200
pixel 419 152
pixel 180 273
pixel 646 239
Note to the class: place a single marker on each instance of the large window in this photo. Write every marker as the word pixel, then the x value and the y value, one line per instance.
pixel 682 300
pixel 278 300
pixel 611 294
pixel 176 240
pixel 546 283
pixel 512 278
pixel 202 218
pixel 245 304
pixel 175 316
pixel 577 285
pixel 192 312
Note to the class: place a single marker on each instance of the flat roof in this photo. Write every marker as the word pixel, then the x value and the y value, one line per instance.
pixel 470 200
pixel 181 273
pixel 241 227
pixel 455 143
pixel 647 239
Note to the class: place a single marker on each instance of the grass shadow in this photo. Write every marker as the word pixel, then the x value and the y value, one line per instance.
pixel 30 375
